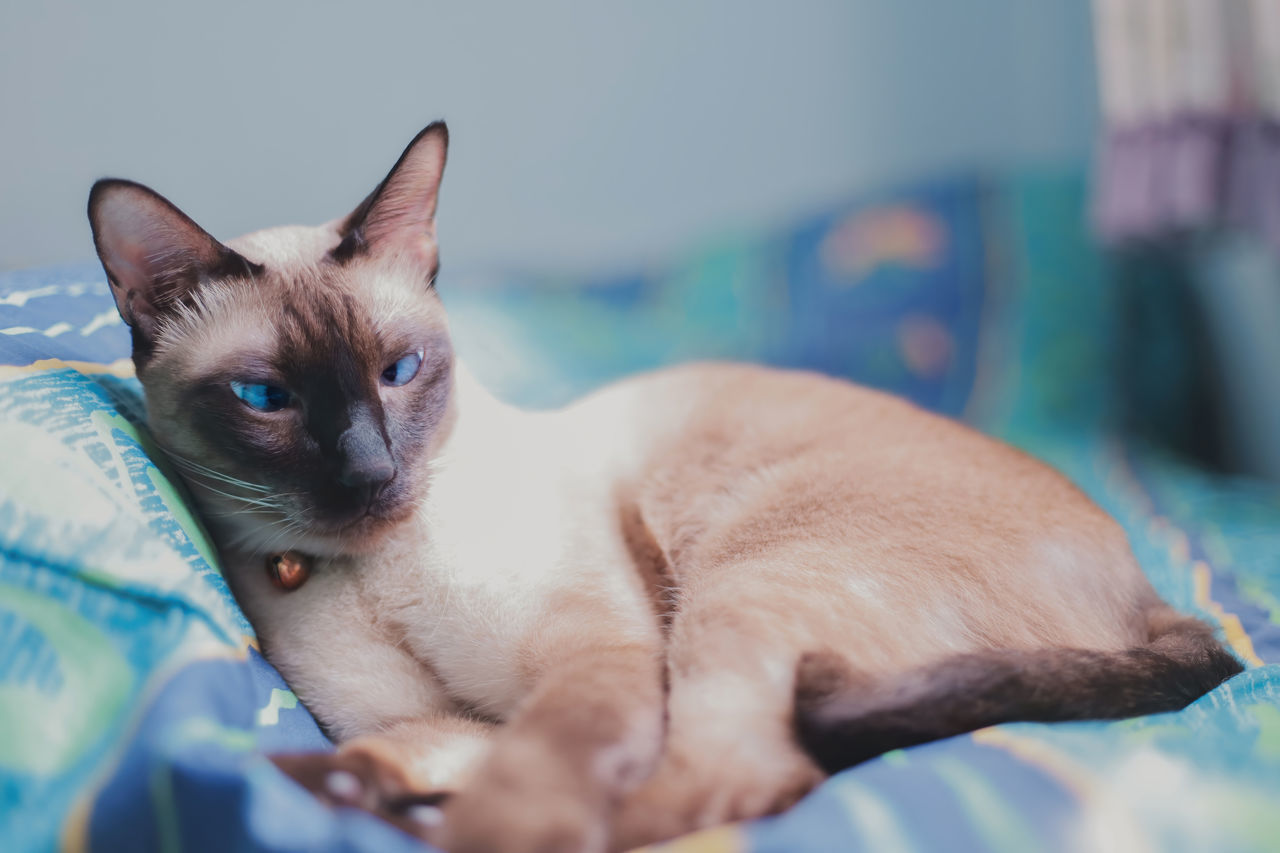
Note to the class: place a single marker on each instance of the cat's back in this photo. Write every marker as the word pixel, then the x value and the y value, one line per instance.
pixel 722 409
pixel 730 459
pixel 739 429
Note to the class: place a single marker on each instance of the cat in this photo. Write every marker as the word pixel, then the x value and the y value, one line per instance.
pixel 680 601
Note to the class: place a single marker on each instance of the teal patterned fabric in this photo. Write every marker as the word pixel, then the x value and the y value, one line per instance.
pixel 135 710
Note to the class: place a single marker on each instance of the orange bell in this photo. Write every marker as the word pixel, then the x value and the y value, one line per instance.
pixel 289 570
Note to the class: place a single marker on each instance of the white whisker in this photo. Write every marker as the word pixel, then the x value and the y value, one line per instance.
pixel 205 471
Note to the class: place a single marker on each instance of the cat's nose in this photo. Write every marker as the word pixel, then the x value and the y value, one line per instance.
pixel 366 460
pixel 369 474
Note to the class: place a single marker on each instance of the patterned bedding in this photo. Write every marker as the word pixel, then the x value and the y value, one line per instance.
pixel 135 710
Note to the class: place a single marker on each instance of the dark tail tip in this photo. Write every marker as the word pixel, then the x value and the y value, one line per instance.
pixel 842 719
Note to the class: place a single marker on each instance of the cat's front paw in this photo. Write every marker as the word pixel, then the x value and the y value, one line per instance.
pixel 361 780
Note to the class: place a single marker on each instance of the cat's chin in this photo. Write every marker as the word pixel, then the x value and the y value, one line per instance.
pixel 362 536
pixel 261 537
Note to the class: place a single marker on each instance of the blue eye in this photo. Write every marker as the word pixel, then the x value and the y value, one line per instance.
pixel 264 398
pixel 403 370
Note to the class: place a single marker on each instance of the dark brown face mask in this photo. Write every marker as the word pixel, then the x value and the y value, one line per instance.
pixel 289 571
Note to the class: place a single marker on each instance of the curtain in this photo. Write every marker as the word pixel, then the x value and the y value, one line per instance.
pixel 1190 93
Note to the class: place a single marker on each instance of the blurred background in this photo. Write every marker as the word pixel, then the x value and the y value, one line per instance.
pixel 640 149
pixel 584 134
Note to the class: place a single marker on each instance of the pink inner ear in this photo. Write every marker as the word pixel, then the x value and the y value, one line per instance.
pixel 132 245
pixel 145 242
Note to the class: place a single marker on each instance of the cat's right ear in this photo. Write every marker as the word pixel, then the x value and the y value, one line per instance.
pixel 399 216
pixel 153 253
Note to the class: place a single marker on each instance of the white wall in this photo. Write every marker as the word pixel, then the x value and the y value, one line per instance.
pixel 584 133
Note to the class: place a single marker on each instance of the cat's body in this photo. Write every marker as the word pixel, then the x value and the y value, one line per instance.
pixel 529 510
pixel 652 592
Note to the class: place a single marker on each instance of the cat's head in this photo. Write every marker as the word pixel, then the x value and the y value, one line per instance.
pixel 301 377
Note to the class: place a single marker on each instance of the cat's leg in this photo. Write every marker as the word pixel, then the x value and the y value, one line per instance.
pixel 730 753
pixel 589 731
pixel 401 737
pixel 401 774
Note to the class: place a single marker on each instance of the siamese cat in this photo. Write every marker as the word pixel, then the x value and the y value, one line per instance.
pixel 681 601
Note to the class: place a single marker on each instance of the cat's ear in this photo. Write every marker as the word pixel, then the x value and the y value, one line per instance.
pixel 153 253
pixel 399 217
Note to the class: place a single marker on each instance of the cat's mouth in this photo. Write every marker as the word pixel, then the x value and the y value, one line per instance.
pixel 373 519
pixel 347 535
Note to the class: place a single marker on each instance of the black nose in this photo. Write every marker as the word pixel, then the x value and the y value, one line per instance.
pixel 367 474
pixel 366 461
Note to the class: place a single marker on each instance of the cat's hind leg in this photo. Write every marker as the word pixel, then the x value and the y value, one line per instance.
pixel 734 642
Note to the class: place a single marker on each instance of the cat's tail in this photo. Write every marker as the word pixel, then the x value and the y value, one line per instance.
pixel 842 719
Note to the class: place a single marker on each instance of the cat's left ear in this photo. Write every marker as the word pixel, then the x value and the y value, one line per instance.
pixel 399 217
